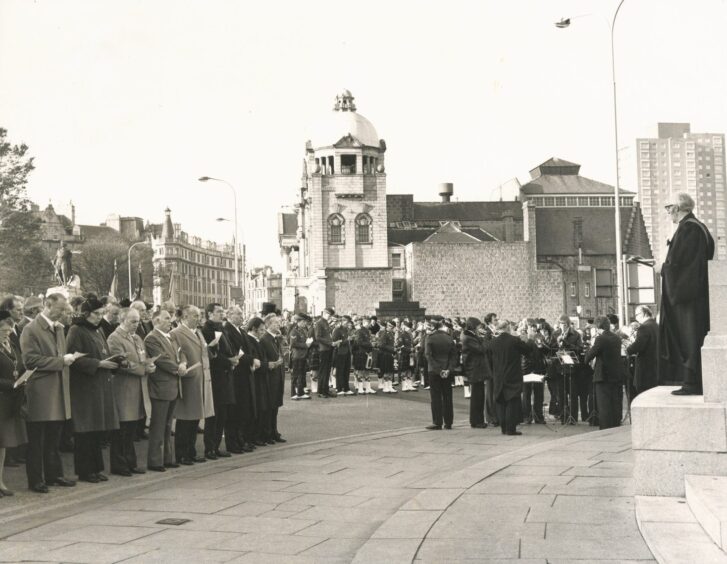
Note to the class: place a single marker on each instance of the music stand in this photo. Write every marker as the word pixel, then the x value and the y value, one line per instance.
pixel 567 361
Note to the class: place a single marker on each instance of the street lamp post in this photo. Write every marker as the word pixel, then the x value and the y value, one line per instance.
pixel 129 262
pixel 236 251
pixel 621 295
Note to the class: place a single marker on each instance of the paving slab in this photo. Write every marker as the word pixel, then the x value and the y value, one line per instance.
pixel 187 555
pixel 85 552
pixel 271 544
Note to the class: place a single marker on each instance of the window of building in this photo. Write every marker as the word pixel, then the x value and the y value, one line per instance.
pixel 348 164
pixel 594 201
pixel 604 283
pixel 549 201
pixel 572 289
pixel 398 290
pixel 395 260
pixel 571 201
pixel 582 200
pixel 336 229
pixel 364 229
pixel 560 201
pixel 587 290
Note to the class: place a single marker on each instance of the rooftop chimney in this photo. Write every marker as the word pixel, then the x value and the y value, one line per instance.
pixel 446 189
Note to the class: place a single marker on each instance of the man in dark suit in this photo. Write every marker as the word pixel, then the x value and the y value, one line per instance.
pixel 322 336
pixel 261 429
pixel 645 349
pixel 223 360
pixel 608 373
pixel 110 319
pixel 490 406
pixel 507 352
pixel 276 373
pixel 684 310
pixel 441 354
pixel 241 421
pixel 165 387
pixel 48 395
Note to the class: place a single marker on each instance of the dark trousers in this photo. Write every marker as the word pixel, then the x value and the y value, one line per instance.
pixel 343 369
pixel 122 456
pixel 609 399
pixel 185 439
pixel 87 455
pixel 508 412
pixel 477 403
pixel 491 410
pixel 240 425
pixel 440 392
pixel 43 461
pixel 579 390
pixel 533 395
pixel 297 383
pixel 214 427
pixel 274 434
pixel 324 371
pixel 161 447
pixel 263 431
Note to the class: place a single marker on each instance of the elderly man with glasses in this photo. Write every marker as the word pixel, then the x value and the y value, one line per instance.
pixel 684 308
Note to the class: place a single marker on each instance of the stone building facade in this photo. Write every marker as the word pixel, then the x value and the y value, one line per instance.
pixel 263 286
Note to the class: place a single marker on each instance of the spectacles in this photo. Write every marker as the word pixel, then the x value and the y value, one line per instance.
pixel 670 208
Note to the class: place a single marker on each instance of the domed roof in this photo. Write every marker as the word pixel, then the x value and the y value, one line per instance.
pixel 342 121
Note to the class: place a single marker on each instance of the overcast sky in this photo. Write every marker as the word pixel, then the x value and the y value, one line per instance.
pixel 125 104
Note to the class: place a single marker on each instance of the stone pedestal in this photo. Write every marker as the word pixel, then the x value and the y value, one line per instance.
pixel 673 436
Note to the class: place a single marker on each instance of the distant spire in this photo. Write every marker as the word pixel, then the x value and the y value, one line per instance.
pixel 344 102
pixel 167 226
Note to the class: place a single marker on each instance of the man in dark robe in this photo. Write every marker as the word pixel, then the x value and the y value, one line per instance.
pixel 644 347
pixel 684 311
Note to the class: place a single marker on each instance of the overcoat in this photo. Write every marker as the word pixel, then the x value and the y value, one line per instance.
pixel 130 383
pixel 242 376
pixel 12 426
pixel 606 349
pixel 220 366
pixel 92 392
pixel 507 375
pixel 440 352
pixel 260 376
pixel 645 347
pixel 476 361
pixel 196 401
pixel 48 392
pixel 164 383
pixel 276 376
pixel 684 311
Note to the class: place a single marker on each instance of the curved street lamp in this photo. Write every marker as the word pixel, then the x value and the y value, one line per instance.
pixel 236 251
pixel 129 262
pixel 622 310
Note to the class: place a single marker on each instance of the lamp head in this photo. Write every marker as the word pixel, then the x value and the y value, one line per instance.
pixel 563 23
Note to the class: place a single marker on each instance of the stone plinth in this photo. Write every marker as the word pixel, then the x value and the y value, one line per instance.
pixel 673 436
pixel 714 351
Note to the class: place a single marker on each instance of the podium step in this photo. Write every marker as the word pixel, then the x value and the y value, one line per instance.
pixel 707 499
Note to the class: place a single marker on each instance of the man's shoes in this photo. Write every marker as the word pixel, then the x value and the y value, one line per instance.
pixel 349 393
pixel 433 427
pixel 39 488
pixel 236 450
pixel 342 393
pixel 248 447
pixel 304 397
pixel 185 462
pixel 102 477
pixel 156 468
pixel 427 387
pixel 259 443
pixel 280 439
pixel 200 459
pixel 223 454
pixel 479 426
pixel 687 391
pixel 125 473
pixel 448 427
pixel 514 433
pixel 323 396
pixel 90 478
pixel 62 482
pixel 210 456
pixel 298 397
pixel 138 471
pixel 4 492
pixel 270 442
pixel 171 465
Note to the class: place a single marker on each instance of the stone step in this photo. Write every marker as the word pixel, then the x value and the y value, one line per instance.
pixel 672 532
pixel 707 499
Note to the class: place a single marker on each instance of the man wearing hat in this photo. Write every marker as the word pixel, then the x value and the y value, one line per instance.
pixel 322 337
pixel 31 308
pixel 299 345
pixel 441 355
pixel 343 356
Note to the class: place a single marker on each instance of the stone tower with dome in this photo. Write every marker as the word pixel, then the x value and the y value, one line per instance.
pixel 341 225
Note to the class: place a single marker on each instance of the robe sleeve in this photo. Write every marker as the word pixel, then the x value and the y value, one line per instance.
pixel 681 270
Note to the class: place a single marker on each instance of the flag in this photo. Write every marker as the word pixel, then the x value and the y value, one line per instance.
pixel 138 284
pixel 113 290
pixel 171 289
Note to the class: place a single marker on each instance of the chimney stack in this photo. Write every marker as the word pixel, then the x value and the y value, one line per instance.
pixel 446 189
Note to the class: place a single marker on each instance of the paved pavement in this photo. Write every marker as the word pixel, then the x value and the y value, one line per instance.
pixel 554 494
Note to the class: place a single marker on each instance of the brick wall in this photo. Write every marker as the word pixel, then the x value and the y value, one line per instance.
pixel 357 290
pixel 473 279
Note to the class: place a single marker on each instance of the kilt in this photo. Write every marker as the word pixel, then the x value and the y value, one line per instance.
pixel 386 362
pixel 359 360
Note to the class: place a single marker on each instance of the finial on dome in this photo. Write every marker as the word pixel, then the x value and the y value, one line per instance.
pixel 344 102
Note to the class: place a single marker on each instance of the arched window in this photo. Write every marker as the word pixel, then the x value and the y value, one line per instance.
pixel 336 230
pixel 364 228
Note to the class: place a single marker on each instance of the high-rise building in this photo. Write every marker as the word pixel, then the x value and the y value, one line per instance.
pixel 681 161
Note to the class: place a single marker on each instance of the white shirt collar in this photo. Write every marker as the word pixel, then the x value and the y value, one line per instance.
pixel 163 333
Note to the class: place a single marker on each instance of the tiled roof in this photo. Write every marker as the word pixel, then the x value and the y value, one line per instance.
pixel 464 211
pixel 406 236
pixel 450 233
